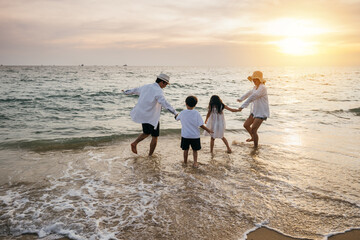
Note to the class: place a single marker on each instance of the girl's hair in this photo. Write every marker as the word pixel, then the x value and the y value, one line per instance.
pixel 216 102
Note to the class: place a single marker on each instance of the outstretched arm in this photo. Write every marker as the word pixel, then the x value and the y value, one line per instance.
pixel 259 93
pixel 207 116
pixel 133 91
pixel 161 99
pixel 231 109
pixel 206 129
pixel 245 96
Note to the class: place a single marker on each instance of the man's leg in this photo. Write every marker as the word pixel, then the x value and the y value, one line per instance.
pixel 153 145
pixel 139 139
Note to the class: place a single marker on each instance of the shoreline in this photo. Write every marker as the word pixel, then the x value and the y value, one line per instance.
pixel 261 233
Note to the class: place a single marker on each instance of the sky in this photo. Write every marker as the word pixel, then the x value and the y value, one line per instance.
pixel 180 33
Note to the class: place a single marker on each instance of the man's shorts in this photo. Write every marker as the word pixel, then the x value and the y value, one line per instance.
pixel 149 129
pixel 194 142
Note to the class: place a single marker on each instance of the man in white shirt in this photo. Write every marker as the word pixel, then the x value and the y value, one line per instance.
pixel 147 110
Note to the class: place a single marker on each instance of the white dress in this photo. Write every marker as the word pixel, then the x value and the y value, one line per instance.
pixel 216 123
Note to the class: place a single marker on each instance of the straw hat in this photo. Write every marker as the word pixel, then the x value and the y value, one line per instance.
pixel 258 75
pixel 164 77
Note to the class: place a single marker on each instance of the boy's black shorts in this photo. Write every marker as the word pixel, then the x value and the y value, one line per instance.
pixel 149 129
pixel 194 142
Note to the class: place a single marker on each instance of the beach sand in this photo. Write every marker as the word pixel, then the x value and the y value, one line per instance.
pixel 262 233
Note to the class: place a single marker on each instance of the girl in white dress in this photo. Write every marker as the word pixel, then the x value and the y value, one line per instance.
pixel 215 121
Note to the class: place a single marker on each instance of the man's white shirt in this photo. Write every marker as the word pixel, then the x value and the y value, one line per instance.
pixel 148 107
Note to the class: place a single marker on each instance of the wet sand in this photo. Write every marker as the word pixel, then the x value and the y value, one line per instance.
pixel 264 233
pixel 348 235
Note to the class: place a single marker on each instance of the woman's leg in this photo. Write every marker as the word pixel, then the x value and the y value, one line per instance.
pixel 254 127
pixel 247 126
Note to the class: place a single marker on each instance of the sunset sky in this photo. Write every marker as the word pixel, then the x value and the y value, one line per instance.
pixel 185 33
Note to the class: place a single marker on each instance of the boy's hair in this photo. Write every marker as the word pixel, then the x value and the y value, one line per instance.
pixel 191 101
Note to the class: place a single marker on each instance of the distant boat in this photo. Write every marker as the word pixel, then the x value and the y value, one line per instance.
pixel 82 65
pixel 125 65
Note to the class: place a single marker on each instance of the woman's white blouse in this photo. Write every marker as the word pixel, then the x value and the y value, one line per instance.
pixel 259 101
pixel 148 107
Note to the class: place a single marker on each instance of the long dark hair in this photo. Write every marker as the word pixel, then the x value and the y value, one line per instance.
pixel 216 102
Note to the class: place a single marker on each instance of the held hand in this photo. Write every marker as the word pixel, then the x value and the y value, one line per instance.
pixel 238 100
pixel 239 110
pixel 176 116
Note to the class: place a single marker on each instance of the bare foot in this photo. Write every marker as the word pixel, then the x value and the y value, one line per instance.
pixel 133 148
pixel 249 140
pixel 196 165
pixel 229 151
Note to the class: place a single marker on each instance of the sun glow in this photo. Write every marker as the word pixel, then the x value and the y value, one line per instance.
pixel 297 47
pixel 296 36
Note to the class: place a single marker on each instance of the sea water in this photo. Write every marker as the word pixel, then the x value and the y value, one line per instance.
pixel 66 168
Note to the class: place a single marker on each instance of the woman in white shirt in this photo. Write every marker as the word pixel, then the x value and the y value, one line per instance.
pixel 259 110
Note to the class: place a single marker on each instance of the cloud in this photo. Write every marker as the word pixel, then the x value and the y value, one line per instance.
pixel 143 26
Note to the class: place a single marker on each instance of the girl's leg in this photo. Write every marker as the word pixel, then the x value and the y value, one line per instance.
pixel 186 153
pixel 212 141
pixel 255 126
pixel 195 154
pixel 227 144
pixel 247 126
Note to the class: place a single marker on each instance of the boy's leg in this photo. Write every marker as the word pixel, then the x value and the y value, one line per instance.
pixel 195 154
pixel 227 144
pixel 138 139
pixel 255 126
pixel 212 141
pixel 186 153
pixel 153 145
pixel 247 126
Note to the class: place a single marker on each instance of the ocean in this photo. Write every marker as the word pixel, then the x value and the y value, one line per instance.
pixel 66 167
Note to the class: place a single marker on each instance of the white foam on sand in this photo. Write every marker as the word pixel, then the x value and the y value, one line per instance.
pixel 336 233
pixel 257 226
pixel 81 201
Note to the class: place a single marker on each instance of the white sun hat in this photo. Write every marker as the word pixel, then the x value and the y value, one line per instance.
pixel 164 77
